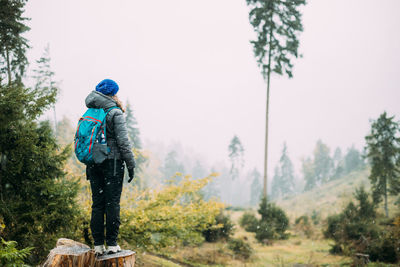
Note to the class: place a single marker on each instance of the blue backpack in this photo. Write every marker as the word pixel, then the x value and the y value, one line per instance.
pixel 90 137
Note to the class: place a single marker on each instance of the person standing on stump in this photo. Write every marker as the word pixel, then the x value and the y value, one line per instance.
pixel 106 178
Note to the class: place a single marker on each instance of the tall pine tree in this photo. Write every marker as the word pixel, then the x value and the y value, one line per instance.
pixel 37 202
pixel 236 152
pixel 45 78
pixel 383 152
pixel 277 25
pixel 12 45
pixel 134 136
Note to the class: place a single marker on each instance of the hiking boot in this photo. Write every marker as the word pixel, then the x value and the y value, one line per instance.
pixel 99 250
pixel 113 249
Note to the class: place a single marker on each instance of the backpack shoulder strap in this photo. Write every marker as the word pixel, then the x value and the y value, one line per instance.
pixel 104 122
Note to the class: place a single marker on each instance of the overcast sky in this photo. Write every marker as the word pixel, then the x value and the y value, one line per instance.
pixel 187 67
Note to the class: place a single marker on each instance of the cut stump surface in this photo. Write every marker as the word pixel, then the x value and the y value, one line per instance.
pixel 69 253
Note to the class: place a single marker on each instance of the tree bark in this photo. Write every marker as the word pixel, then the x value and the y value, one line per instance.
pixel 69 253
pixel 386 202
pixel 267 115
pixel 8 66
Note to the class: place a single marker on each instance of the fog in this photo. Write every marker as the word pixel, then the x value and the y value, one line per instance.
pixel 187 67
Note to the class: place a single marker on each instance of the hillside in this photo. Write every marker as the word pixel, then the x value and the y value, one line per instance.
pixel 330 198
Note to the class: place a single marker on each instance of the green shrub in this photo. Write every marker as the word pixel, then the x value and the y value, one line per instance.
pixel 273 223
pixel 249 222
pixel 302 224
pixel 302 220
pixel 240 247
pixel 222 229
pixel 355 231
pixel 315 217
pixel 10 255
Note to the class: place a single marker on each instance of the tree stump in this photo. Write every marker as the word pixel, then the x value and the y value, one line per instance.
pixel 69 253
pixel 125 258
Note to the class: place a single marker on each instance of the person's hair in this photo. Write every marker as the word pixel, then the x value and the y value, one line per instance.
pixel 119 103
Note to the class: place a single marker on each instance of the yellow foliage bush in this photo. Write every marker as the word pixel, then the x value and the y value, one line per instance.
pixel 169 216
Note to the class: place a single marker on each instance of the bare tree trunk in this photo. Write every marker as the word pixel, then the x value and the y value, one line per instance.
pixel 55 121
pixel 8 66
pixel 266 119
pixel 386 202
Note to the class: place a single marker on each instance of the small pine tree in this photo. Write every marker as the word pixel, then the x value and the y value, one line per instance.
pixel 274 222
pixel 383 153
pixel 11 256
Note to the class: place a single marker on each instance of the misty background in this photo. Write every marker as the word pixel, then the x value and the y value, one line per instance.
pixel 188 70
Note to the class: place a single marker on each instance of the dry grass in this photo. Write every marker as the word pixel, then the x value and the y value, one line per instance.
pixel 314 251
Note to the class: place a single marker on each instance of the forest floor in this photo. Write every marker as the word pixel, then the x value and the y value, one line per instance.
pixel 309 250
pixel 298 249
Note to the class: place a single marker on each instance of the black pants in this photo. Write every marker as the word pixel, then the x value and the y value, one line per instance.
pixel 106 182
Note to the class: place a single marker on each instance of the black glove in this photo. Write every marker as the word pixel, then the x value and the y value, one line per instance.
pixel 131 172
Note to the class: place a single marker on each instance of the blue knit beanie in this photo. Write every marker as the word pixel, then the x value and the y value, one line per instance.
pixel 107 87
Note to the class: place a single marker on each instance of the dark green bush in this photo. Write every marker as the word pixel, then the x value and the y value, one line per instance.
pixel 355 230
pixel 240 247
pixel 273 223
pixel 302 224
pixel 215 233
pixel 10 255
pixel 249 222
pixel 315 217
pixel 302 220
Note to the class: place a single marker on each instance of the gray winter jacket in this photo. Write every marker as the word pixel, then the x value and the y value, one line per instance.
pixel 116 131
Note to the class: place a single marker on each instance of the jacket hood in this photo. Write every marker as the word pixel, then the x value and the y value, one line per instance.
pixel 98 100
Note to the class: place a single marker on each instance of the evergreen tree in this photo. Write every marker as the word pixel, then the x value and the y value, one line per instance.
pixel 322 162
pixel 236 153
pixel 131 124
pixel 37 202
pixel 308 170
pixel 13 46
pixel 383 152
pixel 134 136
pixel 211 190
pixel 273 223
pixel 287 176
pixel 171 166
pixel 283 182
pixel 338 164
pixel 45 78
pixel 275 187
pixel 353 160
pixel 198 170
pixel 277 24
pixel 256 189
